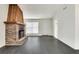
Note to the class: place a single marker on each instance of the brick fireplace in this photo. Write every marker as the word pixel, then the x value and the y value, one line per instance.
pixel 15 27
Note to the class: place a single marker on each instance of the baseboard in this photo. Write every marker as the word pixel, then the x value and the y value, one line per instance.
pixel 2 46
pixel 76 49
pixel 45 35
pixel 33 35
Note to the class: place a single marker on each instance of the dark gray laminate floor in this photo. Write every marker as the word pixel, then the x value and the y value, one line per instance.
pixel 39 45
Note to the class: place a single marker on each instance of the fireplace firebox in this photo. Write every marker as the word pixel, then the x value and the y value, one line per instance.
pixel 21 31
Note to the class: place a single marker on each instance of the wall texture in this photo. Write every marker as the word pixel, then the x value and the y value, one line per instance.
pixel 3 17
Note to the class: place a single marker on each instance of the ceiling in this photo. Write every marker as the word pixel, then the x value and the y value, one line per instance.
pixel 35 11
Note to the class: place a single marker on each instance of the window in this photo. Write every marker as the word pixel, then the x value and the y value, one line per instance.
pixel 32 27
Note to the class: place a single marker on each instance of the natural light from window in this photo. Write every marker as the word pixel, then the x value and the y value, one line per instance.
pixel 32 27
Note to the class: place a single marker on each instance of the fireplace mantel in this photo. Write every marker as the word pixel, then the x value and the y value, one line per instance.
pixel 15 27
pixel 14 23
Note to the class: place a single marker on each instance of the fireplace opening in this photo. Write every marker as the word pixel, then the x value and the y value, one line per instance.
pixel 21 31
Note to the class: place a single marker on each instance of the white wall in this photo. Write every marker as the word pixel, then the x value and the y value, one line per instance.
pixel 3 17
pixel 66 25
pixel 46 26
pixel 77 27
pixel 55 27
